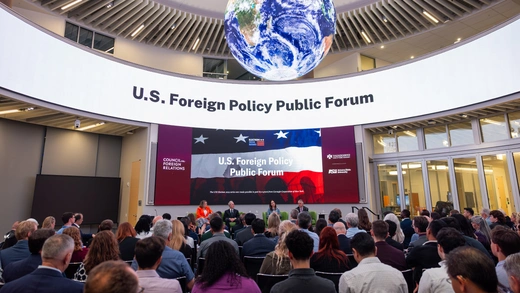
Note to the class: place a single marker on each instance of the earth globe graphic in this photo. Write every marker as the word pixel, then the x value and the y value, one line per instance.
pixel 279 39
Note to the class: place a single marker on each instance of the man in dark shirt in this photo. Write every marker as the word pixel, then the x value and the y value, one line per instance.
pixel 302 278
pixel 420 224
pixel 344 242
pixel 387 254
pixel 246 233
pixel 9 237
pixel 406 226
pixel 392 228
pixel 259 245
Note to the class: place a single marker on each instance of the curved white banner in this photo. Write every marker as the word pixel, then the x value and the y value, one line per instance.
pixel 38 65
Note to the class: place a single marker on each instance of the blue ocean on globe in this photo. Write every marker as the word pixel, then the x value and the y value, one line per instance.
pixel 280 39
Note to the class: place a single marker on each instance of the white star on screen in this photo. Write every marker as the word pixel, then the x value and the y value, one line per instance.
pixel 318 132
pixel 200 139
pixel 281 134
pixel 241 138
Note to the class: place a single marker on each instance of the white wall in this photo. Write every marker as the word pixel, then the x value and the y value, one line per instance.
pixel 53 23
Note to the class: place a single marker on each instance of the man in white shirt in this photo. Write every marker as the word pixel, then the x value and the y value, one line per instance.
pixel 504 242
pixel 148 254
pixel 370 276
pixel 437 279
pixel 352 225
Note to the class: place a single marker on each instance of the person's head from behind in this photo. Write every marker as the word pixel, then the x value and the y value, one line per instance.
pixel 512 267
pixel 333 216
pixel 163 229
pixel 320 224
pixel 447 240
pixel 57 251
pixel 328 239
pixel 24 230
pixel 103 247
pixel 112 277
pixel 167 216
pixel 470 270
pixel 144 224
pixel 352 220
pixel 249 218
pixel 452 222
pixel 216 224
pixel 148 252
pixel 221 258
pixel 433 229
pixel 273 222
pixel 340 228
pixel 300 246
pixel 49 223
pixel 304 220
pixel 294 214
pixel 465 226
pixel 106 225
pixel 67 218
pixel 37 239
pixel 392 228
pixel 379 230
pixel 258 226
pixel 74 233
pixel 405 214
pixel 362 246
pixel 504 242
pixel 125 230
pixel 420 224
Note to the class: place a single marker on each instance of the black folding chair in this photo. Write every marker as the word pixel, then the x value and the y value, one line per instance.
pixel 182 282
pixel 352 263
pixel 72 269
pixel 334 277
pixel 266 282
pixel 200 265
pixel 408 276
pixel 253 264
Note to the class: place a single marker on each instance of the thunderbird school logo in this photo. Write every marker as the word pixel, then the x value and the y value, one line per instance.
pixel 259 142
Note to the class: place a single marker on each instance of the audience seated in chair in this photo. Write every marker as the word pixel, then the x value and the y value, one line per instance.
pixel 304 222
pixel 259 245
pixel 344 241
pixel 277 262
pixel 80 252
pixel 470 270
pixel 126 238
pixel 512 268
pixel 20 250
pixel 329 257
pixel 104 247
pixel 178 240
pixel 245 234
pixel 385 253
pixel 217 226
pixel 352 225
pixel 112 277
pixel 504 242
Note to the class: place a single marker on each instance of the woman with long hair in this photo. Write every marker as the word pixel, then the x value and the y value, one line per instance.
pixel 482 231
pixel 49 223
pixel 399 235
pixel 273 224
pixel 125 236
pixel 465 226
pixel 364 221
pixel 272 208
pixel 143 226
pixel 80 252
pixel 178 240
pixel 329 257
pixel 320 224
pixel 103 247
pixel 277 262
pixel 223 270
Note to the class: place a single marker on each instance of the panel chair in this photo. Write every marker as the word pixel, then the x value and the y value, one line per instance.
pixel 182 282
pixel 266 281
pixel 253 265
pixel 71 269
pixel 314 217
pixel 334 277
pixel 284 216
pixel 408 276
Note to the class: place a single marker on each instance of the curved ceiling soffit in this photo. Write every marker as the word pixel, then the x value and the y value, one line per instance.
pixel 164 26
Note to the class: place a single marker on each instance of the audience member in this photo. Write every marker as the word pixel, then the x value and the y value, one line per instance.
pixel 223 270
pixel 301 208
pixel 78 220
pixel 497 218
pixel 104 247
pixel 454 212
pixel 178 240
pixel 304 223
pixel 302 278
pixel 68 219
pixel 329 257
pixel 364 221
pixel 352 225
pixel 148 253
pixel 512 268
pixel 420 224
pixel 259 245
pixel 20 250
pixel 209 233
pixel 320 224
pixel 465 226
pixel 217 226
pixel 106 225
pixel 333 217
pixel 26 266
pixel 245 234
pixel 272 208
pixel 273 223
pixel 370 275
pixel 344 241
pixel 167 216
pixel 399 235
pixel 49 223
pixel 48 278
pixel 485 213
pixel 277 262
pixel 143 226
pixel 470 241
pixel 392 228
pixel 9 237
pixel 504 242
pixel 294 216
pixel 112 277
pixel 240 226
pixel 80 252
pixel 470 270
pixel 435 216
pixel 231 215
pixel 436 279
pixel 126 239
pixel 468 213
pixel 482 231
pixel 340 216
pixel 406 226
pixel 385 253
pixel 191 236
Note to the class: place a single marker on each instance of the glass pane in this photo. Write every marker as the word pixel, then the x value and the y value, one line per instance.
pixel 214 65
pixel 498 183
pixel 440 191
pixel 103 43
pixel 389 188
pixel 384 143
pixel 367 63
pixel 461 133
pixel 436 137
pixel 71 32
pixel 514 124
pixel 493 128
pixel 468 184
pixel 516 157
pixel 415 199
pixel 85 37
pixel 407 141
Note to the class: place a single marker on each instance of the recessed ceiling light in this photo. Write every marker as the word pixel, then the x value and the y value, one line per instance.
pixel 458 40
pixel 91 126
pixel 382 46
pixel 385 20
pixel 174 26
pixel 411 57
pixel 464 115
pixel 196 43
pixel 109 5
pixel 138 30
pixel 365 36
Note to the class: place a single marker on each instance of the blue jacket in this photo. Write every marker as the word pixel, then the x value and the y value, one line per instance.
pixel 258 246
pixel 43 280
pixel 18 269
pixel 14 253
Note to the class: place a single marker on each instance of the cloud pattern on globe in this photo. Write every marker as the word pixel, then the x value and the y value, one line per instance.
pixel 279 39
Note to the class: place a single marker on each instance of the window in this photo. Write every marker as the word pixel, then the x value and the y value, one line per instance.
pixel 413 187
pixel 468 184
pixel 367 63
pixel 514 124
pixel 89 38
pixel 498 184
pixel 384 143
pixel 436 137
pixel 214 68
pixel 461 133
pixel 439 181
pixel 494 128
pixel 407 140
pixel 388 187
